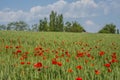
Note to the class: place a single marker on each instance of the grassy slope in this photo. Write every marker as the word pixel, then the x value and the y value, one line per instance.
pixel 70 42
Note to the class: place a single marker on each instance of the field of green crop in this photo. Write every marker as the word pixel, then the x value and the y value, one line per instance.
pixel 59 56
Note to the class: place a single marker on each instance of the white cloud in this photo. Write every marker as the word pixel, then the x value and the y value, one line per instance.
pixel 79 8
pixel 76 9
pixel 91 26
pixel 89 22
pixel 109 6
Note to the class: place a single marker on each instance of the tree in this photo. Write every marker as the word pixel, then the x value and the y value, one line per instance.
pixel 56 22
pixel 67 26
pixel 43 25
pixel 11 26
pixel 74 27
pixel 21 26
pixel 117 31
pixel 52 23
pixel 108 28
pixel 18 26
pixel 35 27
pixel 59 23
pixel 2 27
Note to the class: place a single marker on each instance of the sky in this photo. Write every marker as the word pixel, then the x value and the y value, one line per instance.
pixel 93 15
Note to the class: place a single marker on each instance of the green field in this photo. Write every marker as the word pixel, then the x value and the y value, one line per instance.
pixel 64 56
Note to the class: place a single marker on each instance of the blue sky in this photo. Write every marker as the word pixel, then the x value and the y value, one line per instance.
pixel 91 14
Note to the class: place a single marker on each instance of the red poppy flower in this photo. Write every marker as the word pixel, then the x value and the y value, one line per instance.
pixel 17 47
pixel 6 47
pixel 80 54
pixel 67 60
pixel 22 63
pixel 101 53
pixel 59 63
pixel 26 53
pixel 19 51
pixel 38 65
pixel 22 58
pixel 67 54
pixel 54 62
pixel 107 65
pixel 79 78
pixel 86 61
pixel 44 57
pixel 114 55
pixel 36 49
pixel 97 72
pixel 70 70
pixel 114 60
pixel 28 63
pixel 79 67
pixel 88 55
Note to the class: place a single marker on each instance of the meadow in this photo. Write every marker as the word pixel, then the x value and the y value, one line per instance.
pixel 59 56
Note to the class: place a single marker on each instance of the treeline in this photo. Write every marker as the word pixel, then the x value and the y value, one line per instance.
pixel 55 23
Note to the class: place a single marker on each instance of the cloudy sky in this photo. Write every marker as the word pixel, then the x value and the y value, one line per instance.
pixel 92 14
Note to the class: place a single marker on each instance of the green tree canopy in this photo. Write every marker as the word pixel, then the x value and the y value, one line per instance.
pixel 43 25
pixel 56 22
pixel 74 27
pixel 2 27
pixel 108 28
pixel 18 26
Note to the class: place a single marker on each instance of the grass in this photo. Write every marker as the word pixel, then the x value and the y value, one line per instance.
pixel 69 50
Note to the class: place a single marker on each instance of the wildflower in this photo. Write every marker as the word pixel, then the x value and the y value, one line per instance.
pixel 67 60
pixel 17 47
pixel 80 54
pixel 88 55
pixel 38 65
pixel 6 47
pixel 101 53
pixel 26 53
pixel 114 60
pixel 97 72
pixel 79 67
pixel 19 51
pixel 54 62
pixel 70 70
pixel 28 63
pixel 21 58
pixel 67 54
pixel 114 56
pixel 22 63
pixel 92 64
pixel 107 65
pixel 79 78
pixel 59 63
pixel 86 61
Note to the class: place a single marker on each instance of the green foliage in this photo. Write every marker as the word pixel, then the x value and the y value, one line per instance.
pixel 52 22
pixel 56 22
pixel 43 25
pixel 2 27
pixel 59 23
pixel 74 27
pixel 34 27
pixel 118 31
pixel 21 26
pixel 67 26
pixel 108 28
pixel 18 26
pixel 60 46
